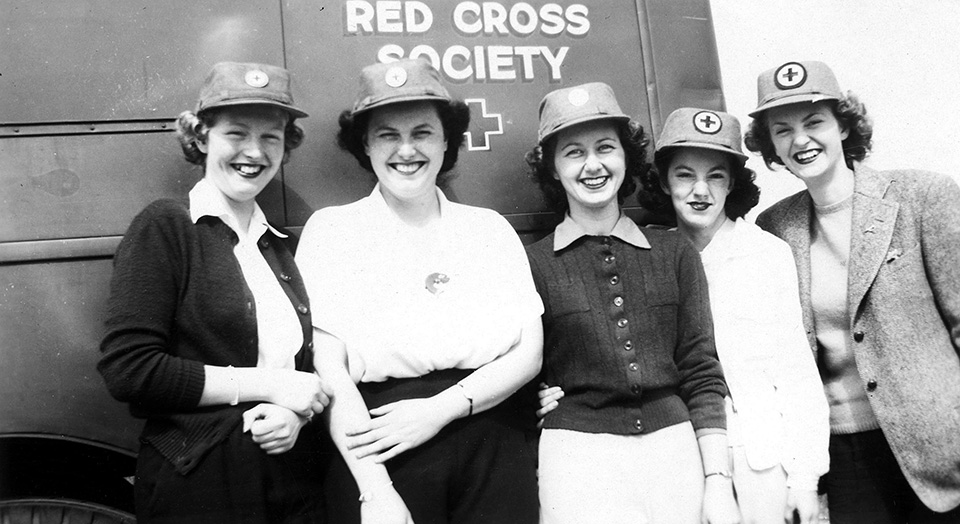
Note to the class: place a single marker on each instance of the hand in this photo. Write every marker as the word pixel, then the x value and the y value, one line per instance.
pixel 719 506
pixel 401 425
pixel 549 400
pixel 274 427
pixel 386 508
pixel 805 502
pixel 301 392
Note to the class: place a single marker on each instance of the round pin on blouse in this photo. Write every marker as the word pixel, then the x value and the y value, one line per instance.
pixel 435 282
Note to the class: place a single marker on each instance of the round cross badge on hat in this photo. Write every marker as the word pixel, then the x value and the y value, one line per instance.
pixel 790 75
pixel 395 76
pixel 578 97
pixel 256 78
pixel 707 122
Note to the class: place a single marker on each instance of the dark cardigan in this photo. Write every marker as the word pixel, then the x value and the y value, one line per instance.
pixel 628 335
pixel 178 300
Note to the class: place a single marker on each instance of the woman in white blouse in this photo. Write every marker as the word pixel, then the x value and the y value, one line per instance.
pixel 426 322
pixel 777 416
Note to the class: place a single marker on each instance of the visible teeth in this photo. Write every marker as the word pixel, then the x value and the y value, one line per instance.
pixel 806 156
pixel 407 168
pixel 594 183
pixel 248 169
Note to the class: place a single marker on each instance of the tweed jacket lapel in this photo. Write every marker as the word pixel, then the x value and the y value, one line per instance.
pixel 795 223
pixel 870 234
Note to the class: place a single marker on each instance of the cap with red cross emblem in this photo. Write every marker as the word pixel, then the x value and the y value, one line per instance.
pixel 793 82
pixel 701 128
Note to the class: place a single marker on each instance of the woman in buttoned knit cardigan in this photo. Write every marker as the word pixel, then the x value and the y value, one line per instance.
pixel 640 433
pixel 879 279
pixel 208 332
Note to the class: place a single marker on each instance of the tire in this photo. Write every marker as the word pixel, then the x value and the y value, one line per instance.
pixel 60 511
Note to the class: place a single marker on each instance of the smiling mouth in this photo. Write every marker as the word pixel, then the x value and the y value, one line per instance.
pixel 409 168
pixel 596 182
pixel 806 157
pixel 700 206
pixel 248 170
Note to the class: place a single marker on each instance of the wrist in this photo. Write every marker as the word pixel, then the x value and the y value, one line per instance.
pixel 718 474
pixel 371 494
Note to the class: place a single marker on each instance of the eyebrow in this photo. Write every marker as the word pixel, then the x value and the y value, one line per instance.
pixel 721 166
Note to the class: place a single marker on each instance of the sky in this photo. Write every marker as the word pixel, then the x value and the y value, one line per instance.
pixel 900 57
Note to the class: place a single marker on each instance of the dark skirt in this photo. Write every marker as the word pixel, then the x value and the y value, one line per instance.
pixel 236 481
pixel 477 469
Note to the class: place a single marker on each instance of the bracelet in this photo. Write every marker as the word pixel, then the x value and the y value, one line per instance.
pixel 463 389
pixel 723 473
pixel 236 386
pixel 367 496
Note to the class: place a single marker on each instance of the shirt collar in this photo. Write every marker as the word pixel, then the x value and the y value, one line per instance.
pixel 381 204
pixel 206 200
pixel 626 229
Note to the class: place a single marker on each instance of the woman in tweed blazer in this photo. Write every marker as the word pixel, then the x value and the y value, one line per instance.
pixel 879 275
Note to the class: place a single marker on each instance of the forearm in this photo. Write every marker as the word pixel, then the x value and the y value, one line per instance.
pixel 495 381
pixel 232 385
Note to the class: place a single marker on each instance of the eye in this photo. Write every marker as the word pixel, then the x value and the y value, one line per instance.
pixel 718 176
pixel 386 135
pixel 683 174
pixel 573 152
pixel 271 137
pixel 423 134
pixel 606 148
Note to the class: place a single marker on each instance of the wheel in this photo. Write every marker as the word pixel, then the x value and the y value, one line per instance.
pixel 60 511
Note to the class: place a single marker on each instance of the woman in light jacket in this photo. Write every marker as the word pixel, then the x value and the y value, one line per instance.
pixel 877 259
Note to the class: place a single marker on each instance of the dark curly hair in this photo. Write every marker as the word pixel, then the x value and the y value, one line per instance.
pixel 850 113
pixel 454 117
pixel 634 141
pixel 192 129
pixel 744 196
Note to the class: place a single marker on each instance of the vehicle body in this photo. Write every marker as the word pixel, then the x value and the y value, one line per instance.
pixel 89 94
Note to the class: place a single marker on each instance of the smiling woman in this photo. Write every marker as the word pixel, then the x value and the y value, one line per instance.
pixel 208 331
pixel 427 322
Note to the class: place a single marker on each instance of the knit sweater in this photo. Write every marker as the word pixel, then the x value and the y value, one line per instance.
pixel 628 334
pixel 178 300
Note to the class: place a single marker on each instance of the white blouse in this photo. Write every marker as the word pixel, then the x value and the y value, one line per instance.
pixel 779 412
pixel 407 301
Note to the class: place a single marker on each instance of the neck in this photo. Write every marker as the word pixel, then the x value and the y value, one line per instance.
pixel 701 237
pixel 596 221
pixel 418 211
pixel 242 211
pixel 831 189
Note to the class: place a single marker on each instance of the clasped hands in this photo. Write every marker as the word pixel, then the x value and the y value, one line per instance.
pixel 295 397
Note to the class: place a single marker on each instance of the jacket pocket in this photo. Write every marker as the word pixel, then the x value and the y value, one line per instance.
pixel 567 297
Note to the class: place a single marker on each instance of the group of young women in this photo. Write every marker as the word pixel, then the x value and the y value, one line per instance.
pixel 713 373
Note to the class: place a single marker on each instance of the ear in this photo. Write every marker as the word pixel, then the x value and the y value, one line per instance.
pixel 366 147
pixel 844 133
pixel 663 184
pixel 201 144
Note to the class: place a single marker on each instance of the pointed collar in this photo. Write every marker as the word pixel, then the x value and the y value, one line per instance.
pixel 569 231
pixel 206 200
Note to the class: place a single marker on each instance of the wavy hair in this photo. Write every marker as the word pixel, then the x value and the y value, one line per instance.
pixel 192 129
pixel 454 117
pixel 634 141
pixel 850 113
pixel 744 196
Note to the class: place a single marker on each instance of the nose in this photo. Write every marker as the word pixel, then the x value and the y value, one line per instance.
pixel 592 163
pixel 700 188
pixel 800 138
pixel 406 149
pixel 253 149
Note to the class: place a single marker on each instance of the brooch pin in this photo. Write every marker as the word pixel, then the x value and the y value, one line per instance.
pixel 435 281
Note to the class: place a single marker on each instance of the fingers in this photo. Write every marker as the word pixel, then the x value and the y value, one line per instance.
pixel 252 414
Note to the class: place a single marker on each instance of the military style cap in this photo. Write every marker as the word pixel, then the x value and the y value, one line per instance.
pixel 235 83
pixel 703 128
pixel 795 82
pixel 569 106
pixel 395 82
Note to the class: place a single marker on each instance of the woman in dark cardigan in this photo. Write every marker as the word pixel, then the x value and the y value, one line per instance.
pixel 208 331
pixel 640 433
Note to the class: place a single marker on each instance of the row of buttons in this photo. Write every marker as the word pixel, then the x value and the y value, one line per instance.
pixel 622 323
pixel 871 384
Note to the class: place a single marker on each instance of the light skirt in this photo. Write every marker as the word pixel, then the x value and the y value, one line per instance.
pixel 636 479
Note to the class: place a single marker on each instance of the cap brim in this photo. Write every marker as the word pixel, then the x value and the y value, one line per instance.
pixel 702 145
pixel 398 100
pixel 581 120
pixel 787 100
pixel 295 112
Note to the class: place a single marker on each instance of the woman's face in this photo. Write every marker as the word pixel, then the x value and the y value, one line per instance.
pixel 808 139
pixel 244 149
pixel 590 163
pixel 406 145
pixel 698 182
